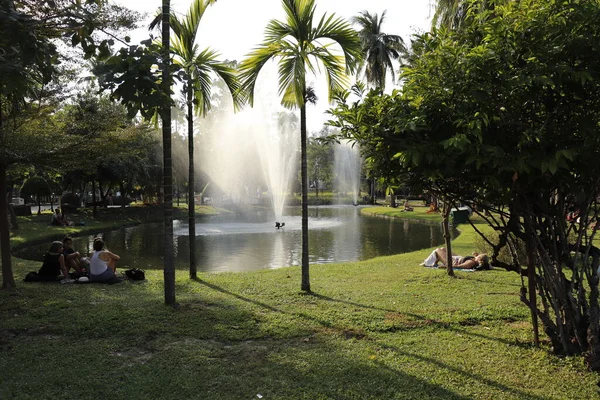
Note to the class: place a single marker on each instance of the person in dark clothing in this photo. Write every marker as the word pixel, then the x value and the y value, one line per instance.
pixel 54 264
pixel 73 259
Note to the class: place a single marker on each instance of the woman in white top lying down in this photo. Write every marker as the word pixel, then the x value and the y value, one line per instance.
pixel 103 263
pixel 476 261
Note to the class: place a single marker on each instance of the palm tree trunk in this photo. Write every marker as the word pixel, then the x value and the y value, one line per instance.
pixel 169 266
pixel 8 280
pixel 304 176
pixel 191 181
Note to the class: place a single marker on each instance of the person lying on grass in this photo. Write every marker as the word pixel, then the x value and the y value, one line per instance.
pixel 103 263
pixel 54 264
pixel 476 261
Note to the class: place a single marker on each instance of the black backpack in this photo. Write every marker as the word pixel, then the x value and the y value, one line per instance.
pixel 135 274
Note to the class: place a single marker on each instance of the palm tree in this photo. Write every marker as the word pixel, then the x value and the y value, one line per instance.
pixel 198 67
pixel 379 48
pixel 169 266
pixel 298 45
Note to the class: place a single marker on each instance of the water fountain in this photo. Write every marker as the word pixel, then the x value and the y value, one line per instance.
pixel 347 169
pixel 252 152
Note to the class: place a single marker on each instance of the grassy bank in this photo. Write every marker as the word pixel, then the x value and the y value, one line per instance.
pixel 379 329
pixel 36 228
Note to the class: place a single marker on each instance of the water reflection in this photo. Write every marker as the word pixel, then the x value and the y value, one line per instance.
pixel 251 242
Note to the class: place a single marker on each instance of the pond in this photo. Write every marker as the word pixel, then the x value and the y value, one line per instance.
pixel 250 241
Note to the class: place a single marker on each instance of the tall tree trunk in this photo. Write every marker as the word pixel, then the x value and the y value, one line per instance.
pixel 531 276
pixel 169 257
pixel 373 190
pixel 14 222
pixel 94 208
pixel 447 238
pixel 8 280
pixel 593 334
pixel 317 184
pixel 304 176
pixel 191 182
pixel 122 189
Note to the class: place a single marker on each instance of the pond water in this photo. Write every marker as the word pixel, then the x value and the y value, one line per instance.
pixel 250 241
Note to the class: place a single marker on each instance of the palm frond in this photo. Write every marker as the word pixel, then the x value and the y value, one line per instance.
pixel 296 42
pixel 292 78
pixel 211 66
pixel 340 32
pixel 251 66
pixel 378 48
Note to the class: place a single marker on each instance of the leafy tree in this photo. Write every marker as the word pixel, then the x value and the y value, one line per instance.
pixel 38 187
pixel 320 161
pixel 96 126
pixel 198 68
pixel 378 48
pixel 452 14
pixel 132 77
pixel 502 115
pixel 298 45
pixel 28 62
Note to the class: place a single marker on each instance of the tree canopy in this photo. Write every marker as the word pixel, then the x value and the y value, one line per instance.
pixel 502 114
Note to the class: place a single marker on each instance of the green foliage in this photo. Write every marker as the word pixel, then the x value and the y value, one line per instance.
pixel 503 114
pixel 300 46
pixel 320 162
pixel 133 76
pixel 35 186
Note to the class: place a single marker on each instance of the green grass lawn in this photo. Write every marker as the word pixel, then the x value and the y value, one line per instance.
pixel 379 329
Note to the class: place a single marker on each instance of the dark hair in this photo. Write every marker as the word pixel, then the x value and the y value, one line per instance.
pixel 55 246
pixel 67 238
pixel 485 263
pixel 98 244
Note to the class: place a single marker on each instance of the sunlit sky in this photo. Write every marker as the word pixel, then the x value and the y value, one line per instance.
pixel 235 27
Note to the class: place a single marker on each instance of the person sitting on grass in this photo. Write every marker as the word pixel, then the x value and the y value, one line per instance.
pixel 407 206
pixel 60 219
pixel 477 261
pixel 57 218
pixel 54 264
pixel 103 263
pixel 73 258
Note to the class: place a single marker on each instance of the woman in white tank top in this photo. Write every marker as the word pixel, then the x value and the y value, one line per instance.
pixel 103 263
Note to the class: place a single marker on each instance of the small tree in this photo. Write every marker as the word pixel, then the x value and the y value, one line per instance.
pixel 320 161
pixel 38 187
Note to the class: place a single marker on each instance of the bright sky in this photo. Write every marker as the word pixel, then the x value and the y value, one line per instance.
pixel 235 27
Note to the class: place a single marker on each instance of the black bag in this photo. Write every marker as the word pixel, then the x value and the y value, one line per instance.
pixel 32 277
pixel 135 274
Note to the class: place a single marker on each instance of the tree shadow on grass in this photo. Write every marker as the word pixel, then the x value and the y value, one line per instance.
pixel 430 321
pixel 402 380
